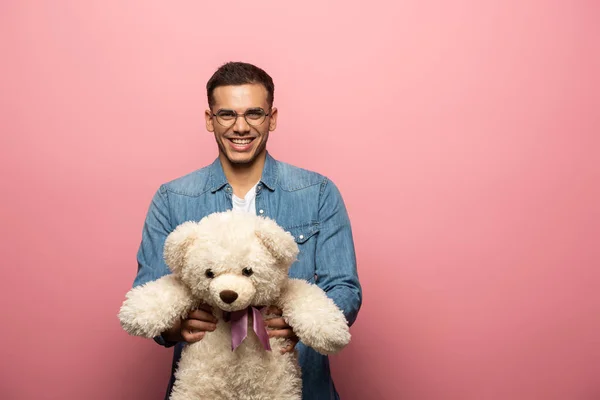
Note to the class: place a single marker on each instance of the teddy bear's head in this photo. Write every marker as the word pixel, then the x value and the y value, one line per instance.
pixel 231 260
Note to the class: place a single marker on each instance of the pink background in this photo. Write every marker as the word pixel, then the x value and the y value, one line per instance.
pixel 463 135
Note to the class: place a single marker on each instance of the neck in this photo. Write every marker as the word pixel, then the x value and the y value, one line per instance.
pixel 242 177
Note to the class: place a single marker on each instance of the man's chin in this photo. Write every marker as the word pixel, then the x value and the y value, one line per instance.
pixel 242 159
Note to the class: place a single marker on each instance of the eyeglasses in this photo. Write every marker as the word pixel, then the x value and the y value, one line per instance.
pixel 253 116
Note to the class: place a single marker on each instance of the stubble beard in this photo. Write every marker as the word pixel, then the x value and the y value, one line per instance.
pixel 248 162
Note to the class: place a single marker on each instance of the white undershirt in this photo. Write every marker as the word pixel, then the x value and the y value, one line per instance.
pixel 248 203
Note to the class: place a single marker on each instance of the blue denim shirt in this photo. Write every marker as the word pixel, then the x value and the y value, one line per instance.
pixel 305 203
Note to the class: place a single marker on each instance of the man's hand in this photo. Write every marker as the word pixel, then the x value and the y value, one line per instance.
pixel 193 328
pixel 277 327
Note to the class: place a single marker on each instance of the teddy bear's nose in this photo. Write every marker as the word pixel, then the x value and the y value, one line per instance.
pixel 228 296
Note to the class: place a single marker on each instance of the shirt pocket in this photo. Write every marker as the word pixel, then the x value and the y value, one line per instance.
pixel 305 237
pixel 303 233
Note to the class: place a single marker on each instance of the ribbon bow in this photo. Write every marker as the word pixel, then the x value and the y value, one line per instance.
pixel 239 326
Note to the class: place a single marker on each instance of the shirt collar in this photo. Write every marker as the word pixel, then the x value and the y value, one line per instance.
pixel 217 179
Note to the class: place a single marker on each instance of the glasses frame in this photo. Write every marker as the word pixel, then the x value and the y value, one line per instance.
pixel 236 116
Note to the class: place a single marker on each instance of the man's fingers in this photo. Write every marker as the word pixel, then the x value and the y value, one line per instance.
pixel 282 333
pixel 276 323
pixel 205 307
pixel 289 347
pixel 192 336
pixel 202 315
pixel 274 310
pixel 288 334
pixel 196 325
pixel 278 328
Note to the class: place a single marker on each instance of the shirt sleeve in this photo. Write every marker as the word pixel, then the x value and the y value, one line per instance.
pixel 157 226
pixel 336 267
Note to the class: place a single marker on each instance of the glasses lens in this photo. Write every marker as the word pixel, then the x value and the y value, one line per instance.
pixel 255 117
pixel 226 117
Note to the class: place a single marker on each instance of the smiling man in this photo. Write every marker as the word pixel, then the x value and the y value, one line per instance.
pixel 246 177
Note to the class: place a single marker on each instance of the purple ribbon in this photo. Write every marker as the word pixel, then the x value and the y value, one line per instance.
pixel 239 326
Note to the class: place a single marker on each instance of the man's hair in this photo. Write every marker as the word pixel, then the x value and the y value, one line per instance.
pixel 239 73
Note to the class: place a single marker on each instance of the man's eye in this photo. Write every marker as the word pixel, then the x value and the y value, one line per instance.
pixel 226 115
pixel 254 115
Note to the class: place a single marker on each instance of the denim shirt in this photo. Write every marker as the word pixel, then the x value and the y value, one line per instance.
pixel 305 203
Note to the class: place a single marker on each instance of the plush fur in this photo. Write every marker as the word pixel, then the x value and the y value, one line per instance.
pixel 224 244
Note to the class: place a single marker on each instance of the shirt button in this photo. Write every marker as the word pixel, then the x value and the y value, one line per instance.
pixel 301 237
pixel 261 211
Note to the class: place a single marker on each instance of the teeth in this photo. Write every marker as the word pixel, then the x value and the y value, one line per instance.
pixel 241 141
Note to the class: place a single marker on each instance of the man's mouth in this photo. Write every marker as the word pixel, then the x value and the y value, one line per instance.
pixel 242 142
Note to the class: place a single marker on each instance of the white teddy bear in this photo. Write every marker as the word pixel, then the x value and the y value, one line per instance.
pixel 238 263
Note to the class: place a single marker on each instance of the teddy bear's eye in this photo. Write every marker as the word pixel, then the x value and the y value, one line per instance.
pixel 209 274
pixel 247 271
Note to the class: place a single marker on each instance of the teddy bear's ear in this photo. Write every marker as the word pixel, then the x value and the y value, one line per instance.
pixel 177 244
pixel 279 243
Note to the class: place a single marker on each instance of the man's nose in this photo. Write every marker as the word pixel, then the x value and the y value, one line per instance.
pixel 241 126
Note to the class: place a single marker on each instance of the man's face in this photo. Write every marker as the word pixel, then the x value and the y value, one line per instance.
pixel 241 142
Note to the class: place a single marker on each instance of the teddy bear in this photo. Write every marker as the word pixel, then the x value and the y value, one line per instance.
pixel 238 263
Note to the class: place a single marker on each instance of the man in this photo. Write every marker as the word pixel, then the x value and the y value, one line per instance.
pixel 246 177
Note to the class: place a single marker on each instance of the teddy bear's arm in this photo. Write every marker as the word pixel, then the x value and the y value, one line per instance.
pixel 314 317
pixel 154 307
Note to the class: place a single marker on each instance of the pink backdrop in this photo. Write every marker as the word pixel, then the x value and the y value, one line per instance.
pixel 463 135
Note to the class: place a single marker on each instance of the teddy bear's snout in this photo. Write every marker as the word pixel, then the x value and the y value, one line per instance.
pixel 228 296
pixel 231 292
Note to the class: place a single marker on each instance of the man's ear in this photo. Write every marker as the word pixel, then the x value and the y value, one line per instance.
pixel 209 120
pixel 273 119
pixel 279 243
pixel 178 243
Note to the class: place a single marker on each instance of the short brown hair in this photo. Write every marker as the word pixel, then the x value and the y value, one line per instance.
pixel 239 73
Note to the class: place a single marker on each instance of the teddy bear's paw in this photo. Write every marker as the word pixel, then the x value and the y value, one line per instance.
pixel 315 318
pixel 328 333
pixel 329 341
pixel 154 307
